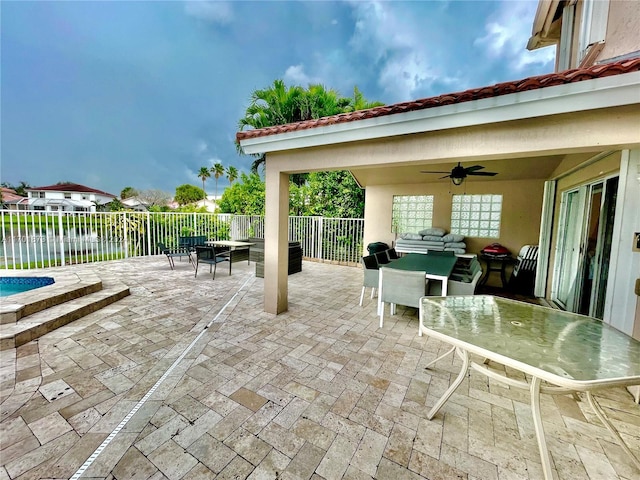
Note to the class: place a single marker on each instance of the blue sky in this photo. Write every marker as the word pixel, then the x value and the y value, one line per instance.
pixel 143 94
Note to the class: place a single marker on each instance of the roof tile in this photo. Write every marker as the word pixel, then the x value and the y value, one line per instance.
pixel 504 88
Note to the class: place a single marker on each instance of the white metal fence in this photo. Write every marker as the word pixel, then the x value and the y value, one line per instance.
pixel 36 239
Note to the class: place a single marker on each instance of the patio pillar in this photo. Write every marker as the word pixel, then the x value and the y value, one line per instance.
pixel 276 241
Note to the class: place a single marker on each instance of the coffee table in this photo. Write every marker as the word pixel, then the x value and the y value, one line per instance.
pixel 568 352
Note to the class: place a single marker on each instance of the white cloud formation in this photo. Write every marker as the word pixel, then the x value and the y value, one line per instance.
pixel 395 48
pixel 214 12
pixel 295 75
pixel 507 33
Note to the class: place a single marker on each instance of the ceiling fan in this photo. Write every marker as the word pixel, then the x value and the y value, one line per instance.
pixel 459 173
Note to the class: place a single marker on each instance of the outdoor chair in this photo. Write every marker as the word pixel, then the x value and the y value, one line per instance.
pixel 371 275
pixel 392 254
pixel 381 257
pixel 400 287
pixel 174 253
pixel 211 256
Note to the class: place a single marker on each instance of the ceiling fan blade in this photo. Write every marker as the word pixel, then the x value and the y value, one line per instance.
pixel 446 176
pixel 431 171
pixel 474 168
pixel 485 174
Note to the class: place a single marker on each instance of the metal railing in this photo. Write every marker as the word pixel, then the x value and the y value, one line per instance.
pixel 36 239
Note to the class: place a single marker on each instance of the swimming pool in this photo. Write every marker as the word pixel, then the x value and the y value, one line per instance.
pixel 13 285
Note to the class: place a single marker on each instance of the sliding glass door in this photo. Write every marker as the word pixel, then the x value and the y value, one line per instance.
pixel 582 252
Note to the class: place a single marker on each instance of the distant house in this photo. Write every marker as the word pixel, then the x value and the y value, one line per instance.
pixel 11 200
pixel 135 204
pixel 68 197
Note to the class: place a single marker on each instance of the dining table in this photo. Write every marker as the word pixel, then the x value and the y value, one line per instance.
pixel 436 265
pixel 558 352
pixel 237 250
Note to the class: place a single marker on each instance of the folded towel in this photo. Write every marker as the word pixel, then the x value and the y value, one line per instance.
pixel 455 245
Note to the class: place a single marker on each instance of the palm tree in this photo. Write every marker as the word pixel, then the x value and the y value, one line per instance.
pixel 204 174
pixel 218 171
pixel 232 174
pixel 279 104
pixel 358 102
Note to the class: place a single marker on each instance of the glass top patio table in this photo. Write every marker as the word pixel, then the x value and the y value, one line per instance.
pixel 565 349
pixel 438 265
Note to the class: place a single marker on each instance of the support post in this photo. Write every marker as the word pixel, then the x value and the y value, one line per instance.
pixel 276 241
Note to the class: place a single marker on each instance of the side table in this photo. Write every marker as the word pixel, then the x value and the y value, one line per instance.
pixel 495 263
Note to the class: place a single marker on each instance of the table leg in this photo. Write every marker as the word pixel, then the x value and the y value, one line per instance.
pixel 452 388
pixel 603 418
pixel 433 362
pixel 537 424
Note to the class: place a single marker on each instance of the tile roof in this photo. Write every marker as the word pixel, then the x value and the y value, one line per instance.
pixel 530 83
pixel 10 196
pixel 69 187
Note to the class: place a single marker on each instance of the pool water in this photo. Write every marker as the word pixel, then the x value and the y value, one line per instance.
pixel 13 285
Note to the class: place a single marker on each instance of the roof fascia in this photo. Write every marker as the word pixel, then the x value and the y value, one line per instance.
pixel 606 92
pixel 542 24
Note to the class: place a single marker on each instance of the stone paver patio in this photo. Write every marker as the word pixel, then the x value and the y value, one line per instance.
pixel 317 392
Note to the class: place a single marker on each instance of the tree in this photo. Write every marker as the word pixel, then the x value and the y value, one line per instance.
pixel 128 192
pixel 188 194
pixel 232 174
pixel 245 197
pixel 217 170
pixel 20 189
pixel 334 194
pixel 204 174
pixel 279 104
pixel 115 205
pixel 154 198
pixel 358 102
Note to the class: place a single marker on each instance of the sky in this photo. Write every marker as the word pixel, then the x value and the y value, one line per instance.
pixel 143 94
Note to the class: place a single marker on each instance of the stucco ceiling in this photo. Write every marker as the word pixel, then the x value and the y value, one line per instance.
pixel 506 169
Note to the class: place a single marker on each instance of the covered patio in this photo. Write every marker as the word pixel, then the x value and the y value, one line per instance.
pixel 191 378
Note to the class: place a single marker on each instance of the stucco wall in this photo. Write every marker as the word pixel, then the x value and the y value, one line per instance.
pixel 623 26
pixel 521 210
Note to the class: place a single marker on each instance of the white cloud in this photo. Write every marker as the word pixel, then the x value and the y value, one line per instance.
pixel 507 33
pixel 395 47
pixel 201 147
pixel 214 12
pixel 296 75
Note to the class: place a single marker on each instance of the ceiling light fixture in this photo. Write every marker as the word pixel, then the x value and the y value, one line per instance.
pixel 457 180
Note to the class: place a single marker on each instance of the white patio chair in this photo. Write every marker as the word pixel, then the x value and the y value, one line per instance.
pixel 400 287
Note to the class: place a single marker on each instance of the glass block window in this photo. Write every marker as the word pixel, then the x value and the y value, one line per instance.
pixel 476 215
pixel 411 213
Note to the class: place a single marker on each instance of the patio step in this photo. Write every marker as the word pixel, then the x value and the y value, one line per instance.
pixel 44 321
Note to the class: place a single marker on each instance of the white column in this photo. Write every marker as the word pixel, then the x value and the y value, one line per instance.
pixel 276 241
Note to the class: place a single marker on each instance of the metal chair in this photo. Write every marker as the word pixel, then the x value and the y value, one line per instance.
pixel 174 253
pixel 212 257
pixel 371 275
pixel 400 287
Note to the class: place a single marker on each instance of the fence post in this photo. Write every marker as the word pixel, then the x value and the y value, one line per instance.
pixel 125 225
pixel 61 237
pixel 149 234
pixel 320 236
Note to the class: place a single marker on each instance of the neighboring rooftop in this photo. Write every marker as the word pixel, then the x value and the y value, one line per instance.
pixel 70 187
pixel 10 196
pixel 530 83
